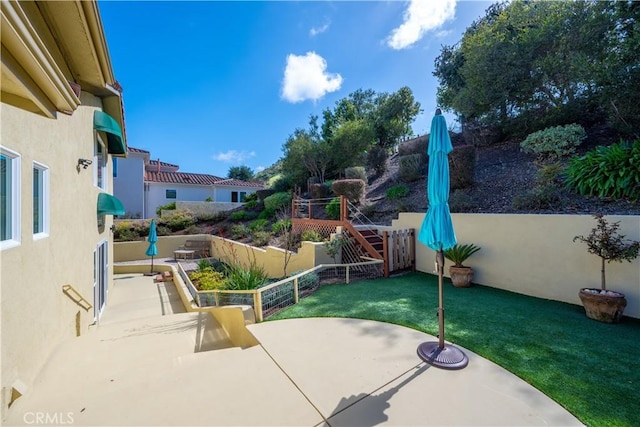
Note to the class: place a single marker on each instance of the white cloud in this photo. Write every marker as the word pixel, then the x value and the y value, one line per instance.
pixel 306 77
pixel 420 17
pixel 318 30
pixel 259 169
pixel 233 156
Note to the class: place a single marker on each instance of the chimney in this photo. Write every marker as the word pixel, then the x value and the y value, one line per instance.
pixel 158 164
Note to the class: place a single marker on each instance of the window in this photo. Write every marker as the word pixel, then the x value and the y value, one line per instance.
pixel 238 196
pixel 9 198
pixel 40 200
pixel 114 161
pixel 100 162
pixel 170 194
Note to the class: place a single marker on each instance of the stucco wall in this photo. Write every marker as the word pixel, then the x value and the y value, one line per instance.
pixel 271 258
pixel 36 315
pixel 128 186
pixel 156 195
pixel 535 254
pixel 200 208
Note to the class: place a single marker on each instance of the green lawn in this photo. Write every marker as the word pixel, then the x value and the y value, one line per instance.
pixel 590 368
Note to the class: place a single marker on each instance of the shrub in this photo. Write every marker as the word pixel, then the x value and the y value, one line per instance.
pixel 261 238
pixel 540 197
pixel 462 162
pixel 258 224
pixel 319 191
pixel 211 217
pixel 177 220
pixel 239 231
pixel 208 199
pixel 397 192
pixel 281 226
pixel 263 194
pixel 267 214
pixel 554 142
pixel 352 189
pixel 550 174
pixel 333 209
pixel 415 146
pixel 277 201
pixel 162 230
pixel 193 229
pixel 459 201
pixel 311 236
pixel 411 167
pixel 240 278
pixel 356 172
pixel 204 264
pixel 252 197
pixel 377 159
pixel 240 215
pixel 281 184
pixel 167 207
pixel 251 204
pixel 207 279
pixel 611 171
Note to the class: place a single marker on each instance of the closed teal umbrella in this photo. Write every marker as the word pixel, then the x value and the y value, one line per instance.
pixel 152 250
pixel 438 234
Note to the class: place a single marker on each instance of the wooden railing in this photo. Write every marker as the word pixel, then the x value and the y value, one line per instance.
pixel 398 246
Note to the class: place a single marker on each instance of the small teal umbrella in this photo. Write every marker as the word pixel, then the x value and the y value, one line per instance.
pixel 152 250
pixel 438 234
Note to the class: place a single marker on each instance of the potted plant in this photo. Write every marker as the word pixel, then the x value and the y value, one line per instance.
pixel 605 241
pixel 461 275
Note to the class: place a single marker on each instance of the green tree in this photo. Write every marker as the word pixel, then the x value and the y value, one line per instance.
pixel 529 65
pixel 243 173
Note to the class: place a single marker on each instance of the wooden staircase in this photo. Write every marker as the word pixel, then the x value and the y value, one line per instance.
pixel 375 240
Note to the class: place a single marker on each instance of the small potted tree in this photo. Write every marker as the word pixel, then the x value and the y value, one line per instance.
pixel 605 241
pixel 461 275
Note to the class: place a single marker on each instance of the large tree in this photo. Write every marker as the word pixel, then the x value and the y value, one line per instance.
pixel 531 64
pixel 243 173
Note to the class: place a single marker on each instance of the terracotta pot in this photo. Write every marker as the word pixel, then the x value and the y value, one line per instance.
pixel 461 276
pixel 604 308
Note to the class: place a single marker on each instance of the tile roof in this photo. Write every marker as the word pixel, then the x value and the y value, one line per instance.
pixel 238 183
pixel 137 150
pixel 182 178
pixel 155 163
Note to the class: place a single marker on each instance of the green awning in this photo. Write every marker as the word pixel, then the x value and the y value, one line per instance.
pixel 109 205
pixel 103 122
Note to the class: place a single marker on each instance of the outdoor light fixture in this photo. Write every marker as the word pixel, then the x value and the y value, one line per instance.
pixel 84 163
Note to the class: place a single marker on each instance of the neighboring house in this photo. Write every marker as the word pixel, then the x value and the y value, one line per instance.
pixel 62 121
pixel 143 185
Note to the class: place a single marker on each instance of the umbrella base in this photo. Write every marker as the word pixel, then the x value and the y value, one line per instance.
pixel 449 357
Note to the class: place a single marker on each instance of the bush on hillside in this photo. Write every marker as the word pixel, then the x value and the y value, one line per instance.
pixel 352 189
pixel 612 171
pixel 397 192
pixel 377 159
pixel 167 207
pixel 411 167
pixel 333 209
pixel 277 201
pixel 356 172
pixel 554 142
pixel 462 166
pixel 415 146
pixel 319 191
pixel 177 220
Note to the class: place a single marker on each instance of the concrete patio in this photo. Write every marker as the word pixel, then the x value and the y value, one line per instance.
pixel 149 362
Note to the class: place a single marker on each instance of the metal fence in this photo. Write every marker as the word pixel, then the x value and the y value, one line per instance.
pixel 276 296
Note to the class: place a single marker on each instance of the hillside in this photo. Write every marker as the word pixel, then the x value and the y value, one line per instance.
pixel 503 174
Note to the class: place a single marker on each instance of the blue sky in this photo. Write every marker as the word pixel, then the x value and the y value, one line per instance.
pixel 211 84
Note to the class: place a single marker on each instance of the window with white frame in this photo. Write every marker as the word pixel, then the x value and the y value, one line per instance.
pixel 40 200
pixel 9 198
pixel 100 163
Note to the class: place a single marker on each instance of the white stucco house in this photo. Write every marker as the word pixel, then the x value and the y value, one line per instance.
pixel 143 184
